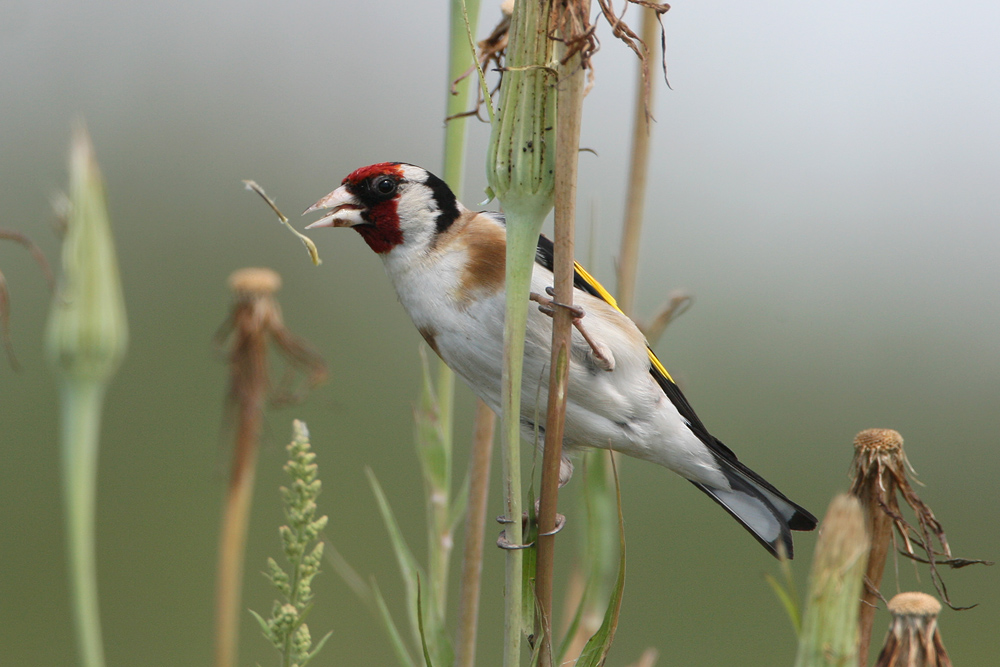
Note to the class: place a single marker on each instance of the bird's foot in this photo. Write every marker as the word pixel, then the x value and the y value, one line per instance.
pixel 560 519
pixel 602 354
pixel 504 543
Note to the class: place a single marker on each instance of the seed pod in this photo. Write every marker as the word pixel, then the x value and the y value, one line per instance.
pixel 913 639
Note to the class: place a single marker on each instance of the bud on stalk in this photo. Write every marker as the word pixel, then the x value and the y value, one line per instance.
pixel 830 624
pixel 87 333
pixel 521 173
pixel 85 340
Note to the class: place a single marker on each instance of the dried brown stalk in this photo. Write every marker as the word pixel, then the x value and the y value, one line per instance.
pixel 880 477
pixel 635 199
pixel 572 28
pixel 254 323
pixel 913 639
pixel 877 454
pixel 678 303
pixel 39 256
pixel 475 526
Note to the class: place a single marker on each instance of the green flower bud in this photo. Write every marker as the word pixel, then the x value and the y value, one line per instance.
pixel 521 158
pixel 87 332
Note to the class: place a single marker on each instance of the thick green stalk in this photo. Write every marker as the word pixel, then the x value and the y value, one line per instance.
pixel 520 168
pixel 82 401
pixel 86 339
pixel 518 285
pixel 829 636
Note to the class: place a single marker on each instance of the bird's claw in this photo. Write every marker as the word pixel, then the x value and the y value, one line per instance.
pixel 560 523
pixel 504 543
pixel 602 355
pixel 502 540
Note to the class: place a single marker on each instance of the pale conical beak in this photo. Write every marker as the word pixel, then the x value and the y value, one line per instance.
pixel 345 210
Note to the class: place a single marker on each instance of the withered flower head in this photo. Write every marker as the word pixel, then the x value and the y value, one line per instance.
pixel 880 477
pixel 913 639
pixel 254 321
pixel 253 283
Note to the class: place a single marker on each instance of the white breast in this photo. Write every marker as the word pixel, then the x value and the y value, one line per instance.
pixel 623 409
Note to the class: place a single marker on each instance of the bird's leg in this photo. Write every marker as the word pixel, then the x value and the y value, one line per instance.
pixel 602 355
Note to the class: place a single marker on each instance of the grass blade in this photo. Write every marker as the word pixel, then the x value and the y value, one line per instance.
pixel 597 647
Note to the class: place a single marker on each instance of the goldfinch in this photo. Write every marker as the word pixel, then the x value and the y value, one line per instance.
pixel 446 263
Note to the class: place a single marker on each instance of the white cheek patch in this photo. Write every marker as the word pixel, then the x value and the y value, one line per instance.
pixel 417 209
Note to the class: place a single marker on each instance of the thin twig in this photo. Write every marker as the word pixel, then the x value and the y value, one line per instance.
pixel 635 198
pixel 475 526
pixel 573 28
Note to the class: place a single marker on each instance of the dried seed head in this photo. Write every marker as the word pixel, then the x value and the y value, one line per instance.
pixel 880 476
pixel 914 604
pixel 255 321
pixel 879 440
pixel 913 639
pixel 254 282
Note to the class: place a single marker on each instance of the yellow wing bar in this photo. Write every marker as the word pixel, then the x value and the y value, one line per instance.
pixel 657 365
pixel 606 295
pixel 592 281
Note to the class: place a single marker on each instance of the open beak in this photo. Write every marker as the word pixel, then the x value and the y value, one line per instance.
pixel 345 210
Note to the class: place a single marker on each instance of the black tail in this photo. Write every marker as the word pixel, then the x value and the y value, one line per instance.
pixel 759 507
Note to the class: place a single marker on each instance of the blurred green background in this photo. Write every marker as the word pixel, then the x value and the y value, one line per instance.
pixel 824 180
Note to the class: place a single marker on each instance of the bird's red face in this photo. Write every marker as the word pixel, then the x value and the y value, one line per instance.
pixel 391 204
pixel 368 201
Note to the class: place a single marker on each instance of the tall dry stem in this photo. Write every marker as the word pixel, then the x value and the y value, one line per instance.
pixel 573 24
pixel 254 322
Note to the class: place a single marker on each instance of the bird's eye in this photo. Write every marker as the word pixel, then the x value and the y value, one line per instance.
pixel 384 185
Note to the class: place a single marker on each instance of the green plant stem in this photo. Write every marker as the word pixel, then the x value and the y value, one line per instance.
pixel 86 338
pixel 568 115
pixel 635 198
pixel 460 59
pixel 520 248
pixel 829 634
pixel 439 499
pixel 520 167
pixel 82 401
